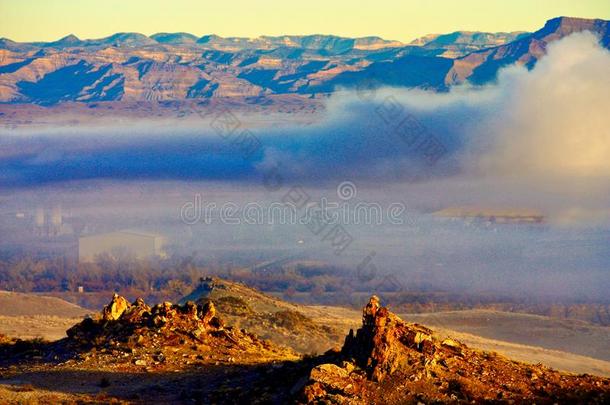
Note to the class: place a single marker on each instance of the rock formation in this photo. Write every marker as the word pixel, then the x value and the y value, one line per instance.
pixel 391 361
pixel 115 309
pixel 144 332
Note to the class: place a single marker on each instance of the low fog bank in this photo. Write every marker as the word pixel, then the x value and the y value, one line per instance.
pixel 535 140
pixel 420 252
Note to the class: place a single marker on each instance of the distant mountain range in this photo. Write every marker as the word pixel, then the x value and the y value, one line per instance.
pixel 180 66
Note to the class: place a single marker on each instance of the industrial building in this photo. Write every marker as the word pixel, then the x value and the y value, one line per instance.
pixel 49 223
pixel 139 244
pixel 497 216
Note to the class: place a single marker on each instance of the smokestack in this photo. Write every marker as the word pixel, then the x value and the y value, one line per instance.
pixel 55 221
pixel 39 222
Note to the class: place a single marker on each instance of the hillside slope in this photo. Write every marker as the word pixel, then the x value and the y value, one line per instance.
pixel 571 336
pixel 134 353
pixel 20 304
pixel 295 326
pixel 29 316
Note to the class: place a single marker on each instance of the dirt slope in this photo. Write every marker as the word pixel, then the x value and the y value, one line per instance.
pixel 20 304
pixel 570 336
pixel 304 329
pixel 29 316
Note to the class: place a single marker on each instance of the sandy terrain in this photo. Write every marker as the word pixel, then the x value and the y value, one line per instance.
pixel 19 304
pixel 572 336
pixel 29 316
pixel 36 326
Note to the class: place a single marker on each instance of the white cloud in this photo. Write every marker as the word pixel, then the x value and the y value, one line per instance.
pixel 555 119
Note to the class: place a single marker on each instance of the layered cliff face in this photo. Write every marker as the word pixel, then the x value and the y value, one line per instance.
pixel 131 67
pixel 482 66
pixel 461 43
pixel 172 66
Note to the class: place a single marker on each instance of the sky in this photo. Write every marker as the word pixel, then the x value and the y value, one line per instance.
pixel 404 20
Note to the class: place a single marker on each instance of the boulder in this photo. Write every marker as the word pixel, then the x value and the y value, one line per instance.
pixel 117 306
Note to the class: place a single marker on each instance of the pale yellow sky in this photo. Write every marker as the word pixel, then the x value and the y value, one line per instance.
pixel 45 20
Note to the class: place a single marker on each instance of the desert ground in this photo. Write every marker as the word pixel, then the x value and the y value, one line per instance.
pixel 568 345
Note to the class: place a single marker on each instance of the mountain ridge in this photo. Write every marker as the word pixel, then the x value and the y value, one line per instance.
pixel 139 39
pixel 176 67
pixel 481 66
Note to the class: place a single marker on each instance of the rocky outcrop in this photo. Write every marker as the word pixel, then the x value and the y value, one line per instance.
pixel 121 321
pixel 184 354
pixel 164 353
pixel 162 335
pixel 384 343
pixel 5 339
pixel 115 309
pixel 392 361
